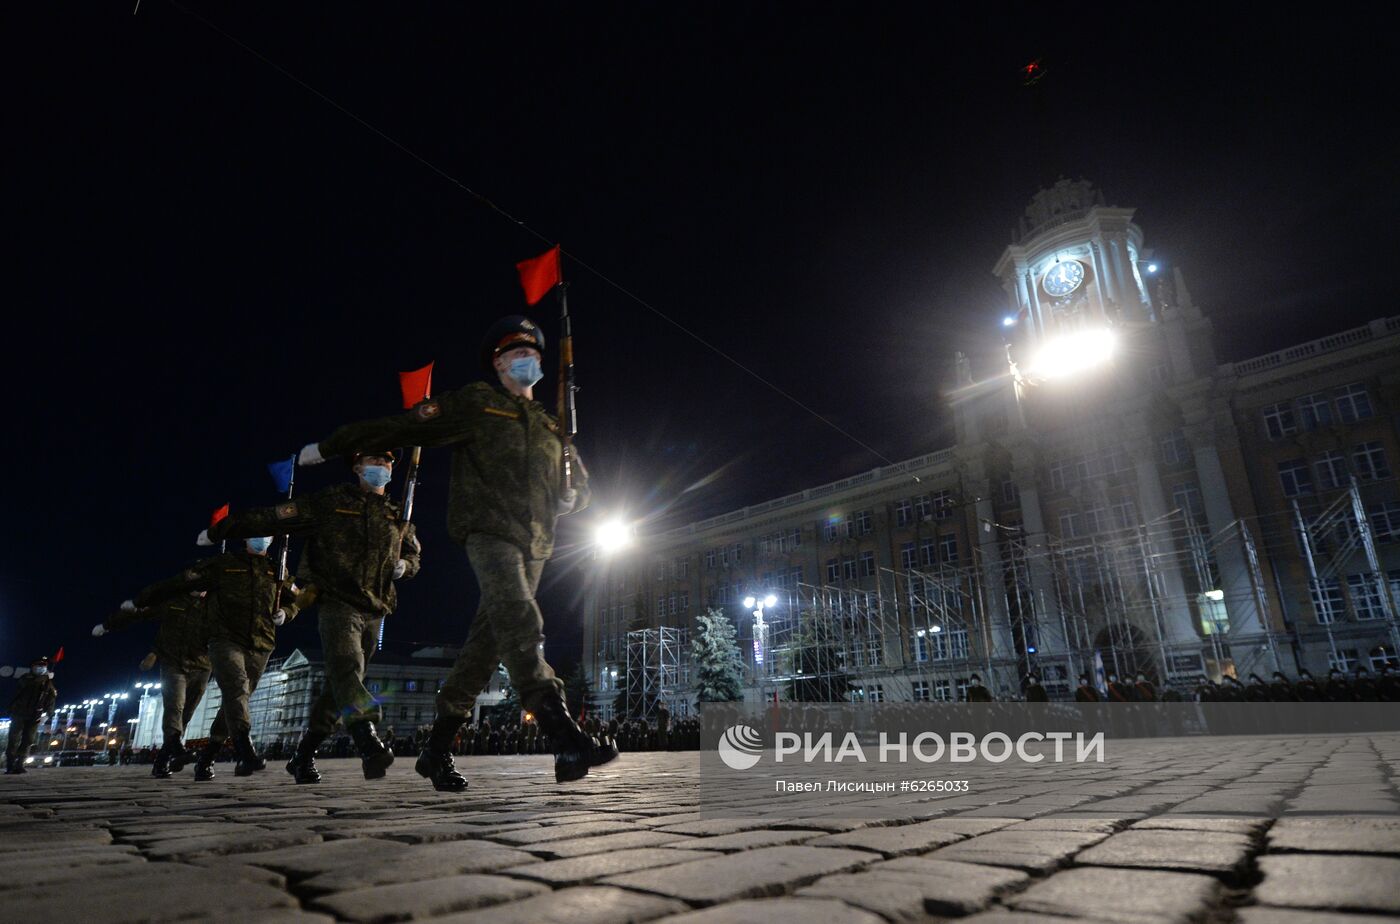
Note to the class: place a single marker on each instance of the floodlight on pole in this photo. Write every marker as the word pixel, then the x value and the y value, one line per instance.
pixel 1071 354
pixel 612 536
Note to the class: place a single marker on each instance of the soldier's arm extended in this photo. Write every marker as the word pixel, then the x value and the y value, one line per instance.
pixel 434 422
pixel 293 598
pixel 410 552
pixel 199 577
pixel 296 517
pixel 124 618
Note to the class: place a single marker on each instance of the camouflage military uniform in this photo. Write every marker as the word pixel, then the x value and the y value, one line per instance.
pixel 182 646
pixel 355 539
pixel 243 595
pixel 36 696
pixel 504 499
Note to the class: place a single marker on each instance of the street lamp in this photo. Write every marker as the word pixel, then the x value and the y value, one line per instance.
pixel 612 536
pixel 1073 353
pixel 760 628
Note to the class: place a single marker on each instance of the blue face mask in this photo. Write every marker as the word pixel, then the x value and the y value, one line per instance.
pixel 376 476
pixel 525 372
pixel 259 543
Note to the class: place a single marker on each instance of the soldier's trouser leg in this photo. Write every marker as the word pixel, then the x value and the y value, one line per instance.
pixel 173 689
pixel 237 670
pixel 21 740
pixel 508 628
pixel 195 684
pixel 349 639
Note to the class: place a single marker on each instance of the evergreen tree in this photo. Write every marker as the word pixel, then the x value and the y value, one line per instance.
pixel 818 659
pixel 579 691
pixel 507 711
pixel 719 668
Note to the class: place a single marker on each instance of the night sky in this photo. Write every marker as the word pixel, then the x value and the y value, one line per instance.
pixel 214 266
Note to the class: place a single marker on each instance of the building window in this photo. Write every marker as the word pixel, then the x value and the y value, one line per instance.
pixel 863 522
pixel 1175 449
pixel 923 507
pixel 1279 421
pixel 1010 494
pixel 867 564
pixel 1385 521
pixel 942 693
pixel 410 686
pixel 908 556
pixel 921 691
pixel 709 559
pixel 1069 525
pixel 1061 475
pixel 1314 411
pixel 1353 403
pixel 1124 514
pixel 921 646
pixel 1331 470
pixel 1295 477
pixel 684 597
pixel 948 549
pixel 1344 660
pixel 374 686
pixel 1327 599
pixel 848 569
pixel 403 713
pixel 1381 658
pixel 1369 459
pixel 1187 498
pixel 875 693
pixel 950 645
pixel 1365 596
pixel 942 504
pixel 831 528
pixel 680 569
pixel 833 570
pixel 903 513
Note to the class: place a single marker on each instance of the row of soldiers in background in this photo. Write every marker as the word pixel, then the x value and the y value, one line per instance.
pixel 34 699
pixel 1338 688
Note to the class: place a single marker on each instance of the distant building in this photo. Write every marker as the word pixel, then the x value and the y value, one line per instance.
pixel 1158 511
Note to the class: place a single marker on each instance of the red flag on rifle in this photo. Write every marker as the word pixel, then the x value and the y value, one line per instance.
pixel 416 385
pixel 540 274
pixel 218 515
pixel 59 656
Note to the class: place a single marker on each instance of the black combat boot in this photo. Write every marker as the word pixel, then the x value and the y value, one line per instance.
pixel 375 758
pixel 204 764
pixel 178 755
pixel 160 769
pixel 248 760
pixel 302 766
pixel 9 764
pixel 574 751
pixel 435 763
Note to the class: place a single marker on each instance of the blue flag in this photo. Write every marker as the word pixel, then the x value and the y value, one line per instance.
pixel 281 473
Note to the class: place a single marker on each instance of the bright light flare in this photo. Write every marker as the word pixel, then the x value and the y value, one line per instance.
pixel 1074 353
pixel 749 602
pixel 770 600
pixel 1008 322
pixel 613 536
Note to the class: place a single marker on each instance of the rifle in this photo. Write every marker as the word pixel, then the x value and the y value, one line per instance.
pixel 567 406
pixel 286 542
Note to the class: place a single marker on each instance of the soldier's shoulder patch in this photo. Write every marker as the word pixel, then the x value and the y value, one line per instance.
pixel 427 410
pixel 286 511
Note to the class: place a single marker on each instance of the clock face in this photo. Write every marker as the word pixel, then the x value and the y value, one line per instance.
pixel 1063 278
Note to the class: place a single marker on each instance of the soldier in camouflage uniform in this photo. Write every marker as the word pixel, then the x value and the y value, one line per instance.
pixel 34 699
pixel 506 493
pixel 357 547
pixel 182 648
pixel 246 604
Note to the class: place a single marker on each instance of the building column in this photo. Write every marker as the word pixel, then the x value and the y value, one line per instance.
pixel 1173 609
pixel 1044 601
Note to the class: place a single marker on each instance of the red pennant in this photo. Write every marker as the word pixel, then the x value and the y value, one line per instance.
pixel 540 274
pixel 59 656
pixel 218 515
pixel 416 385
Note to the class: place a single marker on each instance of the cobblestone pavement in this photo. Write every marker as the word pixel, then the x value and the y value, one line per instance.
pixel 1221 830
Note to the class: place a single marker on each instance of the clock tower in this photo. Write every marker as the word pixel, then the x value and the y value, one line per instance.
pixel 1074 264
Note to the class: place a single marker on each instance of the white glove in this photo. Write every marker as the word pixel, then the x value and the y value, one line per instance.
pixel 203 538
pixel 400 567
pixel 310 455
pixel 99 630
pixel 279 617
pixel 567 500
pixel 128 606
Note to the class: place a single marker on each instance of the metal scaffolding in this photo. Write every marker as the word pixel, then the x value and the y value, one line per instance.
pixel 657 671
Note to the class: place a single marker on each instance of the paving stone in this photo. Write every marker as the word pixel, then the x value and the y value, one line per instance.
pixel 577 870
pixel 1248 826
pixel 182 893
pixel 1197 851
pixel 213 844
pixel 583 905
pixel 893 841
pixel 1002 916
pixel 1105 825
pixel 1261 915
pixel 1354 834
pixel 1330 881
pixel 1034 851
pixel 716 826
pixel 543 833
pixel 938 887
pixel 427 861
pixel 424 898
pixel 766 871
pixel 36 870
pixel 1120 895
pixel 578 847
pixel 744 840
pixel 309 859
pixel 780 911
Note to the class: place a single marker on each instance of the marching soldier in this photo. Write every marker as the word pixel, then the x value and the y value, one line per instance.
pixel 246 605
pixel 33 700
pixel 976 693
pixel 1337 689
pixel 1280 690
pixel 182 649
pixel 1363 687
pixel 357 547
pixel 1389 686
pixel 1143 690
pixel 1118 692
pixel 1035 693
pixel 1085 692
pixel 1307 689
pixel 506 494
pixel 1207 691
pixel 1257 691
